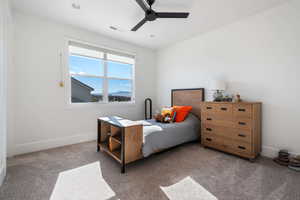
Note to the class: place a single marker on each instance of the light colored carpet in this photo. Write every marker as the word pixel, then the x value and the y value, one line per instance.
pixel 189 171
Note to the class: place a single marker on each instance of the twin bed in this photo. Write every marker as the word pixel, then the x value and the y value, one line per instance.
pixel 160 136
pixel 128 141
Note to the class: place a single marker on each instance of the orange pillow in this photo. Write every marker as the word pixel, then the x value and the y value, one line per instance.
pixel 182 112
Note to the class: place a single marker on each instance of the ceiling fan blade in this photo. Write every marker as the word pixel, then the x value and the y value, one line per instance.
pixel 172 15
pixel 141 23
pixel 144 5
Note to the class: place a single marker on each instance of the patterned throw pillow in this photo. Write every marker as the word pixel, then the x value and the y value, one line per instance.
pixel 168 114
pixel 167 111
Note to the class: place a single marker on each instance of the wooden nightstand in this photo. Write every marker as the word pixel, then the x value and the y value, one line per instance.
pixel 232 127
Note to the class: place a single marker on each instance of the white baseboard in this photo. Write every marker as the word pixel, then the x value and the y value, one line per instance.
pixel 272 152
pixel 267 151
pixel 2 175
pixel 53 143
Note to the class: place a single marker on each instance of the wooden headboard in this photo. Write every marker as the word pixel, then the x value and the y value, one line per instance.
pixel 188 97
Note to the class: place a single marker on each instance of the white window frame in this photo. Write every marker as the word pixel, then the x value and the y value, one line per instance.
pixel 105 78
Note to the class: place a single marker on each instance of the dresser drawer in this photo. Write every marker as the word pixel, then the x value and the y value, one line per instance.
pixel 243 123
pixel 214 119
pixel 209 129
pixel 230 133
pixel 217 130
pixel 242 110
pixel 242 135
pixel 211 141
pixel 224 109
pixel 208 107
pixel 235 146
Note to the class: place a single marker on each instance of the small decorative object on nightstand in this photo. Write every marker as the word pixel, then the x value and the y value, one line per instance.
pixel 219 87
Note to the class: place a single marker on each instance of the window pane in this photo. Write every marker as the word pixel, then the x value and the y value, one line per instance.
pixel 85 65
pixel 123 59
pixel 85 52
pixel 119 90
pixel 119 70
pixel 86 89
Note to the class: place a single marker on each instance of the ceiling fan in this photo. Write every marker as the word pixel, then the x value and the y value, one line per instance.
pixel 151 15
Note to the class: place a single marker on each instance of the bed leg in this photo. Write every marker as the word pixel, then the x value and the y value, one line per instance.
pixel 98 135
pixel 123 169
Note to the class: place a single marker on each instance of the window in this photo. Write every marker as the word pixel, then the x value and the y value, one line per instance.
pixel 100 75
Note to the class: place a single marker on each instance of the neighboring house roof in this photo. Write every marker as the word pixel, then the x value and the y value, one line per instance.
pixel 81 84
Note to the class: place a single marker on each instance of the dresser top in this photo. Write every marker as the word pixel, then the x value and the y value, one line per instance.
pixel 241 103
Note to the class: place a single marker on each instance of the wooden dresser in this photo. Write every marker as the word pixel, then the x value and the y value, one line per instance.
pixel 232 127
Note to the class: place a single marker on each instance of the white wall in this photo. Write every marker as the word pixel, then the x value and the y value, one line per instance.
pixel 2 96
pixel 5 32
pixel 40 117
pixel 258 56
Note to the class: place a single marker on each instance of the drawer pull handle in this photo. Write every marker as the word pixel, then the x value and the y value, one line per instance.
pixel 209 119
pixel 242 135
pixel 242 123
pixel 241 147
pixel 208 129
pixel 209 139
pixel 242 110
pixel 209 108
pixel 224 109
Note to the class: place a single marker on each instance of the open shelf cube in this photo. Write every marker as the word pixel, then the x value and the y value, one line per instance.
pixel 115 131
pixel 114 144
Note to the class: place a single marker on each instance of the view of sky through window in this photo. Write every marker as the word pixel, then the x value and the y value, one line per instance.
pixel 86 66
pixel 119 70
pixel 120 86
pixel 89 67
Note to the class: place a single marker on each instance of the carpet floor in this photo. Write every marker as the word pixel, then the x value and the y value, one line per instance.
pixel 181 173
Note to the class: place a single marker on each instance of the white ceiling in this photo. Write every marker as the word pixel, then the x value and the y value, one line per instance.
pixel 98 15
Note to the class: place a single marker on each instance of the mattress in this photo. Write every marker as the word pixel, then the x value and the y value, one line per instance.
pixel 159 136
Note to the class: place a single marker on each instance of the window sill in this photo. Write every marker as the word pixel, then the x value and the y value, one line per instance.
pixel 99 104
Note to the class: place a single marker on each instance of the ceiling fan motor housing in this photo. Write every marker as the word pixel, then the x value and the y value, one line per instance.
pixel 150 15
